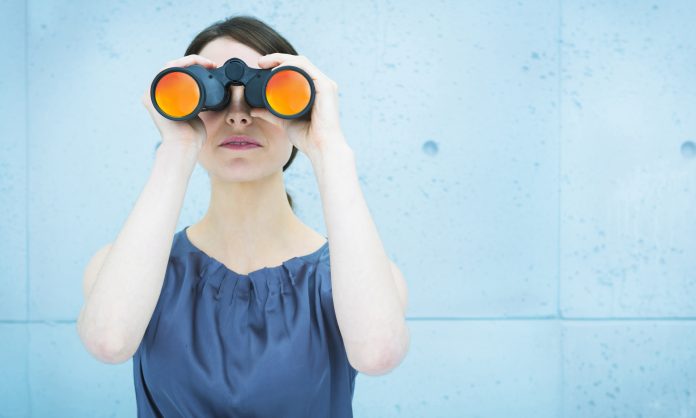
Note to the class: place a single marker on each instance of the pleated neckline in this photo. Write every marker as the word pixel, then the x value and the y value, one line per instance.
pixel 217 264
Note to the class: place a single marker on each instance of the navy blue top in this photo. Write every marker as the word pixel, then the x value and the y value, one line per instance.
pixel 263 344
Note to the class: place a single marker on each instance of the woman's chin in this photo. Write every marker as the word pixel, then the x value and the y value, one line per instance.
pixel 238 173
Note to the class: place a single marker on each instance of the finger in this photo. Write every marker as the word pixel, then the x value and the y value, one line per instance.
pixel 193 59
pixel 190 60
pixel 147 101
pixel 271 60
pixel 278 60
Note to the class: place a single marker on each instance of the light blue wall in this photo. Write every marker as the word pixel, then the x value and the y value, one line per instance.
pixel 530 166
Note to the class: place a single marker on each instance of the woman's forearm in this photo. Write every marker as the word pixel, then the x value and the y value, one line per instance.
pixel 119 307
pixel 367 305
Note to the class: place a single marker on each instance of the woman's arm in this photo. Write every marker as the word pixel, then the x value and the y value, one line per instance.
pixel 123 283
pixel 369 291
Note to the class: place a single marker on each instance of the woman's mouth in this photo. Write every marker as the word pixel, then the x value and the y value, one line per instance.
pixel 240 145
pixel 240 142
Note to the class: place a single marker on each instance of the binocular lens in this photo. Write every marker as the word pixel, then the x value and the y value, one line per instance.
pixel 288 92
pixel 177 94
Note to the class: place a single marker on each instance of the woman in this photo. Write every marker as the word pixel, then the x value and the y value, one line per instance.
pixel 249 312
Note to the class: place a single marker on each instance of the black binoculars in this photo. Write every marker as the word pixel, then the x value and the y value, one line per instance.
pixel 180 93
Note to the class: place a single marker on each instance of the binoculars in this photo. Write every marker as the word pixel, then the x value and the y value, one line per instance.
pixel 180 93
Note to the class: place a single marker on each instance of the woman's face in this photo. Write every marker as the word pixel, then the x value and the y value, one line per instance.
pixel 240 165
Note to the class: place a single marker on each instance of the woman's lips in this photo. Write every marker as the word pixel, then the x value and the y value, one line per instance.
pixel 240 146
pixel 240 138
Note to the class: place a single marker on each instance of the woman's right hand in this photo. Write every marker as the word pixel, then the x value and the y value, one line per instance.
pixel 184 132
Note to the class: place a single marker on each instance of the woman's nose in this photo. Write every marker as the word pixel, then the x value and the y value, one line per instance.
pixel 237 111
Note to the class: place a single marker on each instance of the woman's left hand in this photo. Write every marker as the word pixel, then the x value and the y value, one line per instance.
pixel 324 129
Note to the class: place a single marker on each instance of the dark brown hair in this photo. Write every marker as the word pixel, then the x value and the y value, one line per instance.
pixel 253 33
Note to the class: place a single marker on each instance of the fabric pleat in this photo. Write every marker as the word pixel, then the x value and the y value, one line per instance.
pixel 263 345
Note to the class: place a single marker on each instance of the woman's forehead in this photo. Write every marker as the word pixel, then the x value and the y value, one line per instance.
pixel 221 49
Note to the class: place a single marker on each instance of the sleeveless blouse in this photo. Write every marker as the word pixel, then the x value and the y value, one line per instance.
pixel 259 345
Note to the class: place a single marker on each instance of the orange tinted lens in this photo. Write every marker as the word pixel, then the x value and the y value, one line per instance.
pixel 288 92
pixel 177 94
